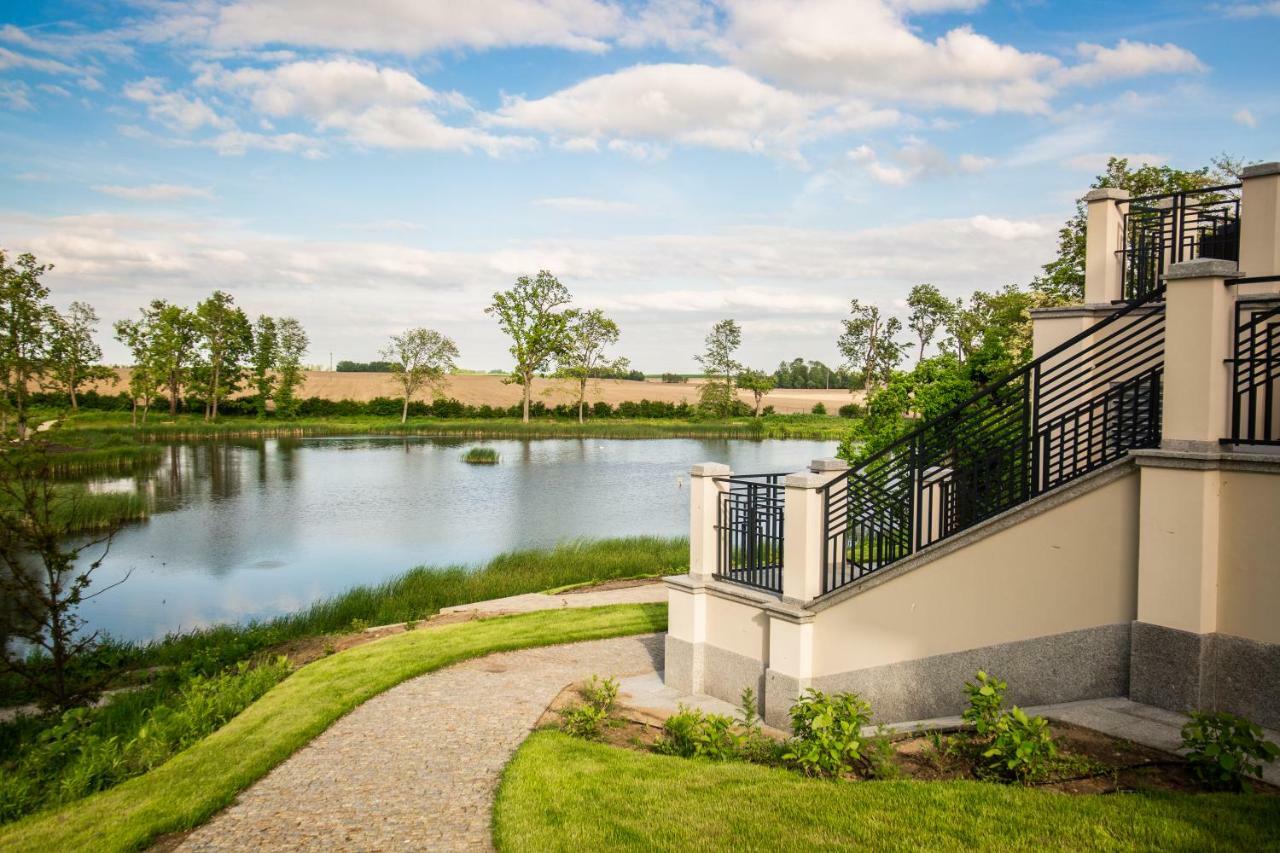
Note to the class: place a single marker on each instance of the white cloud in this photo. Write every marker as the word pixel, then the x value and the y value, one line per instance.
pixel 15 95
pixel 173 108
pixel 1127 59
pixel 153 192
pixel 1245 118
pixel 914 160
pixel 691 104
pixel 1097 161
pixel 414 27
pixel 582 204
pixel 13 59
pixel 1254 10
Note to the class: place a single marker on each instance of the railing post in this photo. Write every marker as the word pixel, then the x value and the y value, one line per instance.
pixel 1260 225
pixel 1104 241
pixel 1199 318
pixel 704 509
pixel 802 529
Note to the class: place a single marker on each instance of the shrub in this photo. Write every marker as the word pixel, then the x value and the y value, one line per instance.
pixel 818 409
pixel 986 704
pixel 1021 748
pixel 601 693
pixel 599 698
pixel 828 739
pixel 1224 749
pixel 481 456
pixel 690 733
pixel 850 410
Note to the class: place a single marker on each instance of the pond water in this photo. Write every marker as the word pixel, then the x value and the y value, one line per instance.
pixel 246 530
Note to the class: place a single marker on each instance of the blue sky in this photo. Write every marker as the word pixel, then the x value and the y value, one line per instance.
pixel 390 163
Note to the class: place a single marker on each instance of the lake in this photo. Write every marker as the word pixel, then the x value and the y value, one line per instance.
pixel 253 529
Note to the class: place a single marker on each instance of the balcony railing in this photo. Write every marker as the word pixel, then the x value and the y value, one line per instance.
pixel 749 530
pixel 1160 230
pixel 1255 371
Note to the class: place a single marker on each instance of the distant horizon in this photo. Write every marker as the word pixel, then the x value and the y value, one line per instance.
pixel 371 167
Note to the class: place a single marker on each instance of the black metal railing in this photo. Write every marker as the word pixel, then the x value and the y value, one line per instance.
pixel 1255 373
pixel 749 530
pixel 1080 406
pixel 1160 230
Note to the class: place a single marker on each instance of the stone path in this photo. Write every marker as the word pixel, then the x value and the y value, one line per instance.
pixel 644 592
pixel 416 767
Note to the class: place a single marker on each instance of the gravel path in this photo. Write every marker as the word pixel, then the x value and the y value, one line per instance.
pixel 416 767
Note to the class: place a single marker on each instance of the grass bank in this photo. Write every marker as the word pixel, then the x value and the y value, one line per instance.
pixel 197 782
pixel 195 428
pixel 561 793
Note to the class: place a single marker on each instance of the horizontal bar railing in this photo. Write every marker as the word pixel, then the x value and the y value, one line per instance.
pixel 1160 230
pixel 749 530
pixel 1255 369
pixel 1084 404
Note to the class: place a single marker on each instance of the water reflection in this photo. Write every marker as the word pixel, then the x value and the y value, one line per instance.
pixel 248 529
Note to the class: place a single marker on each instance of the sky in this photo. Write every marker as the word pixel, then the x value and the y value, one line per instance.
pixel 377 165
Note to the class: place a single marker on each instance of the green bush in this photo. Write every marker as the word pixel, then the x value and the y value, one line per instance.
pixel 690 733
pixel 1021 748
pixel 601 693
pixel 850 410
pixel 600 696
pixel 1224 749
pixel 827 733
pixel 88 750
pixel 818 409
pixel 986 704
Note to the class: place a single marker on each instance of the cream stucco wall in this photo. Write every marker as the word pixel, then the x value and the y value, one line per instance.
pixel 1073 566
pixel 737 627
pixel 1249 573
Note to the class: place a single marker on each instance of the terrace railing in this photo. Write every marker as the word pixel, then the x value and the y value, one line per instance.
pixel 749 530
pixel 1080 406
pixel 1160 230
pixel 1255 371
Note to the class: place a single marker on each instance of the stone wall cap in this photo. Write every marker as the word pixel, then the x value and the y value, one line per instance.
pixel 805 480
pixel 1107 193
pixel 829 463
pixel 1260 170
pixel 710 469
pixel 1203 268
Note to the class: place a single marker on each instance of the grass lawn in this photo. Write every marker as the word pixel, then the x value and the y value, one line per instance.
pixel 560 793
pixel 199 781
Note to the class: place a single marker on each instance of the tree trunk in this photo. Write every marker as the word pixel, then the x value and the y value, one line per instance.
pixel 133 415
pixel 528 389
pixel 213 389
pixel 404 411
pixel 173 394
pixel 759 397
pixel 921 358
pixel 582 400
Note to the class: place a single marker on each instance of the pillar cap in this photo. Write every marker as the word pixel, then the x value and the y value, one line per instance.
pixel 805 480
pixel 1260 170
pixel 1107 194
pixel 1203 268
pixel 819 466
pixel 710 469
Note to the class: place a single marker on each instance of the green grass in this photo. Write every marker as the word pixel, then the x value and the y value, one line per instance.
pixel 560 793
pixel 199 781
pixel 481 456
pixel 187 427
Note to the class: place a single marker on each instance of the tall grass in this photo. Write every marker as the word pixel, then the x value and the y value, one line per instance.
pixel 481 456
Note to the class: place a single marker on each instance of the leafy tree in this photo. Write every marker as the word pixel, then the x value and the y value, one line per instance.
pixel 534 316
pixel 291 346
pixel 868 343
pixel 1063 278
pixel 74 356
pixel 172 336
pixel 814 374
pixel 226 338
pixel 145 373
pixel 266 342
pixel 758 383
pixel 930 311
pixel 420 357
pixel 716 394
pixel 43 579
pixel 590 332
pixel 26 321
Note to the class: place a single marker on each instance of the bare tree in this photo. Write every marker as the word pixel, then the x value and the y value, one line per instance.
pixel 420 357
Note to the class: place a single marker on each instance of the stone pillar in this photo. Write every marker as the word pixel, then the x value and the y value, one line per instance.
pixel 802 535
pixel 1260 225
pixel 1179 519
pixel 704 509
pixel 1104 238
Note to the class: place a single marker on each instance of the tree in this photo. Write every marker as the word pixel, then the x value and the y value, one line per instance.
pixel 930 311
pixel 172 332
pixel 758 383
pixel 291 346
pixel 590 332
pixel 145 378
pixel 73 354
pixel 420 357
pixel 533 315
pixel 43 579
pixel 26 321
pixel 266 342
pixel 868 344
pixel 1063 278
pixel 226 337
pixel 716 394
